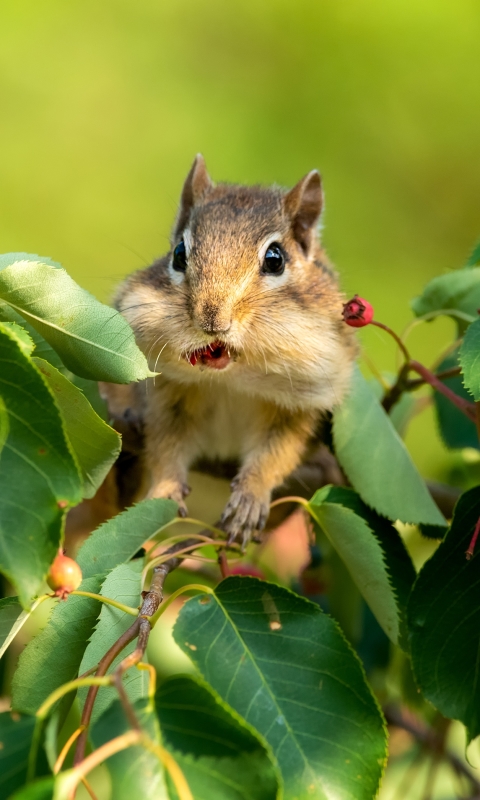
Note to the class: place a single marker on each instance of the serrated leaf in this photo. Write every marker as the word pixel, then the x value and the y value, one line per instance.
pixel 285 667
pixel 444 621
pixel 15 739
pixel 376 461
pixel 135 772
pixel 41 348
pixel 38 473
pixel 117 540
pixel 221 758
pixel 456 429
pixel 72 622
pixel 92 339
pixel 470 359
pixel 459 290
pixel 123 584
pixel 54 655
pixel 372 551
pixel 95 444
pixel 24 340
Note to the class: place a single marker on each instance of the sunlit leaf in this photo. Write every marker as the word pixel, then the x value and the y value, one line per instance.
pixel 95 444
pixel 371 549
pixel 285 667
pixel 470 359
pixel 72 622
pixel 93 340
pixel 220 756
pixel 38 473
pixel 376 461
pixel 458 290
pixel 444 621
pixel 123 584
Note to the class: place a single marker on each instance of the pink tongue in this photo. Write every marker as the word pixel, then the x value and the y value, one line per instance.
pixel 214 356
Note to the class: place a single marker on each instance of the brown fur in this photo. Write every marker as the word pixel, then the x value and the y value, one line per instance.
pixel 293 354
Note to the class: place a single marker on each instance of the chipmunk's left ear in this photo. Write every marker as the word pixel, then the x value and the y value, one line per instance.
pixel 303 204
pixel 197 182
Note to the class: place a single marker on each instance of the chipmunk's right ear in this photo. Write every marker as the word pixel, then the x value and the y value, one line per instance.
pixel 303 204
pixel 196 184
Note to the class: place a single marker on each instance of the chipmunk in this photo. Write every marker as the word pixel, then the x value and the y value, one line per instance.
pixel 243 320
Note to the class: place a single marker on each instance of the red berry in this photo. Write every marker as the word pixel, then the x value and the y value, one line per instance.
pixel 247 569
pixel 357 312
pixel 64 575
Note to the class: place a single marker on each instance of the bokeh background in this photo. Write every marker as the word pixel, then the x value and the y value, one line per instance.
pixel 103 106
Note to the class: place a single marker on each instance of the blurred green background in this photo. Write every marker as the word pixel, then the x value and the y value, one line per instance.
pixel 104 105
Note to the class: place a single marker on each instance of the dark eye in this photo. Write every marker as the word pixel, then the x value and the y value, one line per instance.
pixel 274 261
pixel 180 257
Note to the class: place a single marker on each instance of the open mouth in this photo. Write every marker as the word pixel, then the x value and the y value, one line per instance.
pixel 215 356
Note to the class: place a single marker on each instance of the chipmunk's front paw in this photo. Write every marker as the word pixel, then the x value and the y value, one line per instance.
pixel 172 490
pixel 245 514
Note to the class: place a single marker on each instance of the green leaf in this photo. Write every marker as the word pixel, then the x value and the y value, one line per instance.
pixel 470 359
pixel 23 339
pixel 474 258
pixel 444 621
pixel 12 618
pixel 136 772
pixel 285 667
pixel 459 290
pixel 42 349
pixel 456 430
pixel 221 757
pixel 93 340
pixel 376 461
pixel 95 444
pixel 54 655
pixel 4 424
pixel 38 790
pixel 73 622
pixel 10 611
pixel 371 549
pixel 38 472
pixel 15 739
pixel 117 540
pixel 122 584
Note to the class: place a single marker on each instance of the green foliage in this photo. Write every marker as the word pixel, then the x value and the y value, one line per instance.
pixel 456 429
pixel 221 757
pixel 38 472
pixel 125 585
pixel 458 291
pixel 92 340
pixel 136 772
pixel 284 709
pixel 71 624
pixel 15 739
pixel 372 551
pixel 444 621
pixel 285 667
pixel 470 359
pixel 95 444
pixel 363 433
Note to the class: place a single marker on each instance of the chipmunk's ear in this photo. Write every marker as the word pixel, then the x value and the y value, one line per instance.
pixel 303 204
pixel 196 184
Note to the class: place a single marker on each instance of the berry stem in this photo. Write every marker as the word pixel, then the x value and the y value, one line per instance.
pixel 108 601
pixel 394 336
pixel 463 405
pixel 473 541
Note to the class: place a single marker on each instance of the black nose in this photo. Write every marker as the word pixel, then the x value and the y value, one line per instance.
pixel 212 321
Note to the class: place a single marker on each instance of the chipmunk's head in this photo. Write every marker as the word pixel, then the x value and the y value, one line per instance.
pixel 245 292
